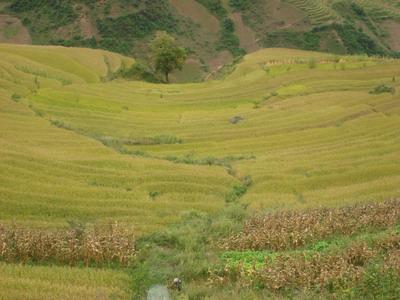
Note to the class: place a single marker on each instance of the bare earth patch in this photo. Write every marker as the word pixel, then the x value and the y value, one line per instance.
pixel 247 36
pixel 223 58
pixel 393 28
pixel 282 15
pixel 198 13
pixel 88 29
pixel 12 31
pixel 192 72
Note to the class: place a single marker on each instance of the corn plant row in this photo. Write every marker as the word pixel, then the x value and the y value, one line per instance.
pixel 332 271
pixel 293 229
pixel 113 244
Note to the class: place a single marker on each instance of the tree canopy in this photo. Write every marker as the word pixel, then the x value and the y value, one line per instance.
pixel 167 55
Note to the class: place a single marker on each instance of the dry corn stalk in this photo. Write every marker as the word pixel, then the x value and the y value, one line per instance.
pixel 293 229
pixel 112 244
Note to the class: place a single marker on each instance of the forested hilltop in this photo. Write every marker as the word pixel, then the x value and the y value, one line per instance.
pixel 213 31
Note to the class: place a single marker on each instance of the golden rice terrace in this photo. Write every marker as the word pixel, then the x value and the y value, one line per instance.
pixel 280 179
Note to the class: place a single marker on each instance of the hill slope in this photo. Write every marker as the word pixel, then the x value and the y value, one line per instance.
pixel 292 128
pixel 93 173
pixel 214 31
pixel 285 129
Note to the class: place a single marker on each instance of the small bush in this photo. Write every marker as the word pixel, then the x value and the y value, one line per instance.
pixel 240 4
pixel 238 191
pixel 229 40
pixel 292 39
pixel 45 15
pixel 215 7
pixel 312 63
pixel 358 10
pixel 377 284
pixel 153 195
pixel 236 119
pixel 190 159
pixel 138 71
pixel 321 246
pixel 59 124
pixel 157 140
pixel 167 139
pixel 120 34
pixel 380 89
pixel 16 97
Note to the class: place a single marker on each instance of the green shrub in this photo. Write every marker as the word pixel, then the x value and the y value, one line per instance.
pixel 228 40
pixel 292 39
pixel 60 124
pixel 321 246
pixel 356 41
pixel 240 4
pixel 76 41
pixel 211 161
pixel 236 119
pixel 215 7
pixel 228 25
pixel 377 284
pixel 153 194
pixel 139 71
pixel 248 259
pixel 167 139
pixel 16 97
pixel 120 34
pixel 237 192
pixel 311 41
pixel 157 140
pixel 45 14
pixel 380 89
pixel 358 10
pixel 312 63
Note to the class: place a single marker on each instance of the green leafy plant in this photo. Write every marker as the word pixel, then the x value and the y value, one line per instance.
pixel 167 55
pixel 153 194
pixel 380 89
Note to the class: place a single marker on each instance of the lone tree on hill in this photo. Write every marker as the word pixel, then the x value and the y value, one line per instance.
pixel 167 55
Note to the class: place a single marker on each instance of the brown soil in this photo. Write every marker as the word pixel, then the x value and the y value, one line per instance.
pixel 247 36
pixel 282 15
pixel 393 28
pixel 198 13
pixel 12 31
pixel 88 29
pixel 65 32
pixel 223 58
pixel 191 72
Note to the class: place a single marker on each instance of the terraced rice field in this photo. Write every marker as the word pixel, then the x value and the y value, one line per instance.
pixel 308 136
pixel 285 129
pixel 321 11
pixel 50 175
pixel 381 10
pixel 37 282
pixel 318 11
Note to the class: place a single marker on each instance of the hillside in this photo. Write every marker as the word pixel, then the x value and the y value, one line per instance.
pixel 214 31
pixel 272 108
pixel 283 130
